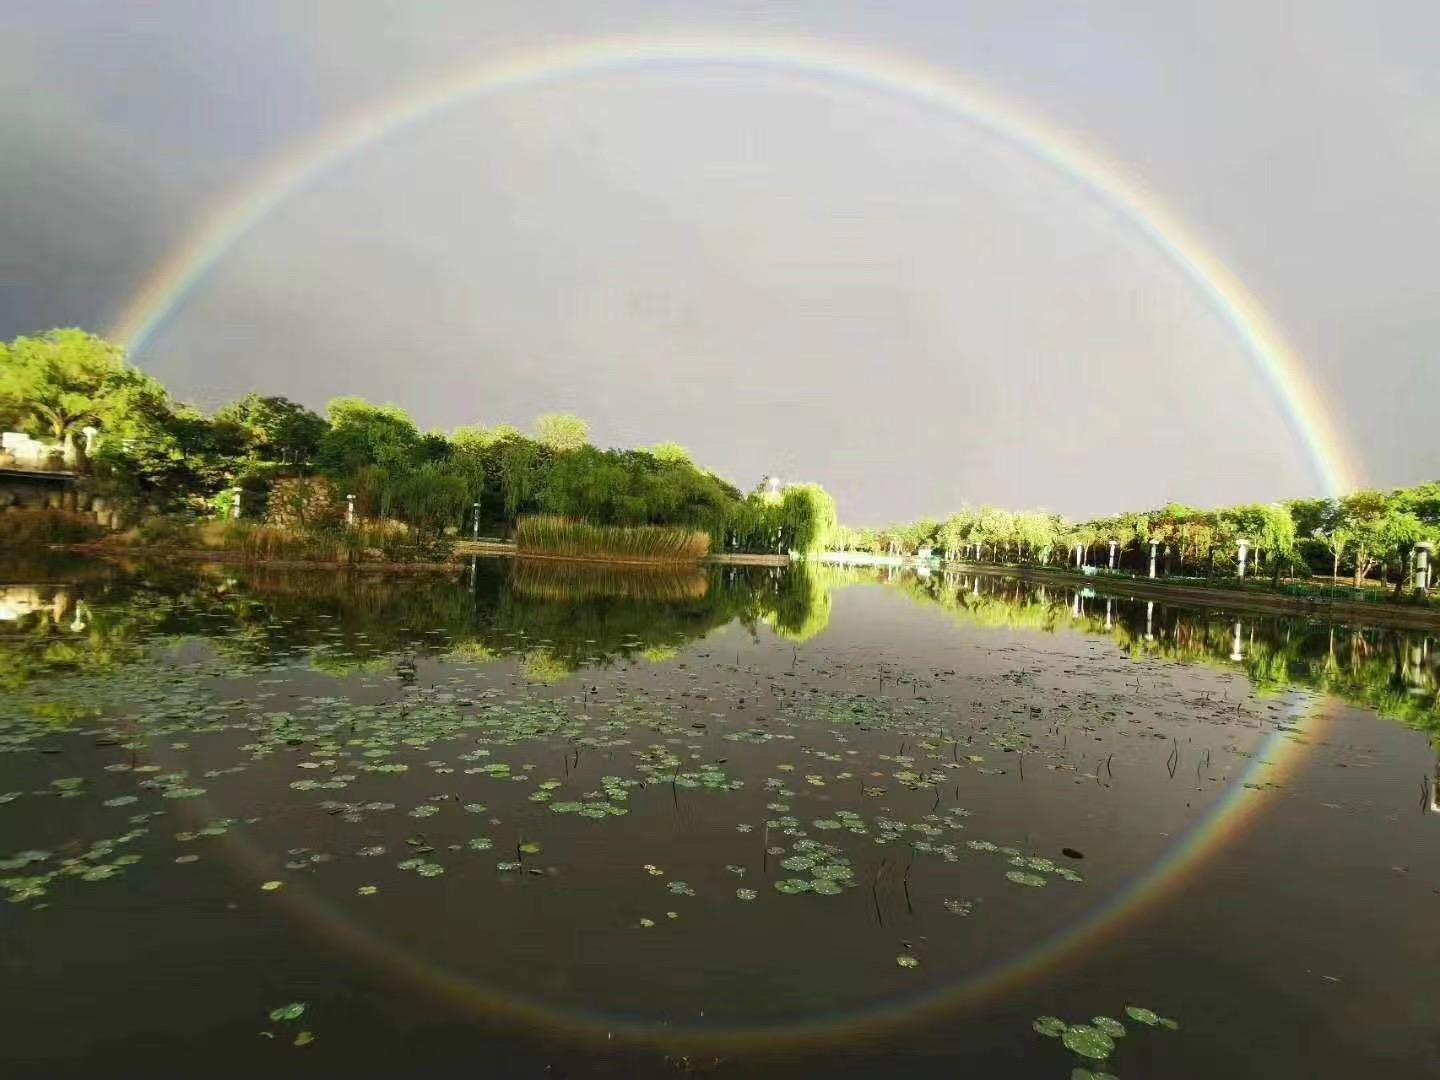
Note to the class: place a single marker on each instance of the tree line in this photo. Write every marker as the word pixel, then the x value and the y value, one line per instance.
pixel 286 464
pixel 1369 535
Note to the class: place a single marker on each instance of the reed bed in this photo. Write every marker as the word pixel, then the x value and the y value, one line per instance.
pixel 561 537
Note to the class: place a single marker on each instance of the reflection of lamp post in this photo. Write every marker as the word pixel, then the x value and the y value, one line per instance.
pixel 475 533
pixel 349 509
pixel 1150 620
pixel 1237 652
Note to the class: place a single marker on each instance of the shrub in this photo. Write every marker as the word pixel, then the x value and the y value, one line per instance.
pixel 550 535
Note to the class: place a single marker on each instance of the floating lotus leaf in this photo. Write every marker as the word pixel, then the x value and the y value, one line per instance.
pixel 1109 1026
pixel 1021 877
pixel 1088 1041
pixel 1050 1026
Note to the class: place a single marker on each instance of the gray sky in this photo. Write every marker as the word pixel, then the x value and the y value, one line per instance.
pixel 786 273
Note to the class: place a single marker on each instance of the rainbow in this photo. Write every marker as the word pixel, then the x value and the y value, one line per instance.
pixel 1279 366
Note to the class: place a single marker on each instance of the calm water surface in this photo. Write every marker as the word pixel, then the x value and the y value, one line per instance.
pixel 548 822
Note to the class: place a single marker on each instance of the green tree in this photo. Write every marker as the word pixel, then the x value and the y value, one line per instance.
pixel 279 429
pixel 362 434
pixel 1361 513
pixel 807 518
pixel 562 432
pixel 66 380
pixel 430 497
pixel 1396 534
pixel 672 453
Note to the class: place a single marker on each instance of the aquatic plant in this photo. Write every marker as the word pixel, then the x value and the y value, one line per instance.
pixel 545 534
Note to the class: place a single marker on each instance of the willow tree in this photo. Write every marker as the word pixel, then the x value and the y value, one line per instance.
pixel 807 518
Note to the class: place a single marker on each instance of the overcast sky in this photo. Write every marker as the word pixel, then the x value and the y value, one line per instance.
pixel 786 273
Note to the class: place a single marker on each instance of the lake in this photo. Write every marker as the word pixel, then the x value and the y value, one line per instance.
pixel 562 821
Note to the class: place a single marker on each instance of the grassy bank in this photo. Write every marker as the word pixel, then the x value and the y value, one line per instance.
pixel 549 536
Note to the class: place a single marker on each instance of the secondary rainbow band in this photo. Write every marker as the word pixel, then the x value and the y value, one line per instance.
pixel 184 269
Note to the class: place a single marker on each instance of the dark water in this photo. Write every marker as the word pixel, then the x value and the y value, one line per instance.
pixel 532 823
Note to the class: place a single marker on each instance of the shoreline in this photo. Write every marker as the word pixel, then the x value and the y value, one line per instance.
pixel 471 549
pixel 1379 613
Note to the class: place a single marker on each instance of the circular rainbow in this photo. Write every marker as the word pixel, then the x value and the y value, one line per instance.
pixel 182 271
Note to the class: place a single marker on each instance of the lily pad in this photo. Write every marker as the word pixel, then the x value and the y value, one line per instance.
pixel 1109 1026
pixel 1088 1041
pixel 293 1011
pixel 1142 1015
pixel 1050 1026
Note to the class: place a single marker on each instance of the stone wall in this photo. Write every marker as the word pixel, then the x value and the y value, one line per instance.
pixel 19 492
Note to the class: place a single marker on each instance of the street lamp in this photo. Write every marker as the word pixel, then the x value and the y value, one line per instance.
pixel 475 530
pixel 349 509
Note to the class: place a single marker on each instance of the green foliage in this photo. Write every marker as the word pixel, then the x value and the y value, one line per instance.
pixel 672 453
pixel 165 458
pixel 1302 536
pixel 430 497
pixel 277 428
pixel 807 518
pixel 562 432
pixel 362 434
pixel 550 534
pixel 65 380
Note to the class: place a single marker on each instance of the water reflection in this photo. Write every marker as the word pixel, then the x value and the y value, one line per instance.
pixel 559 618
pixel 1394 672
pixel 556 617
